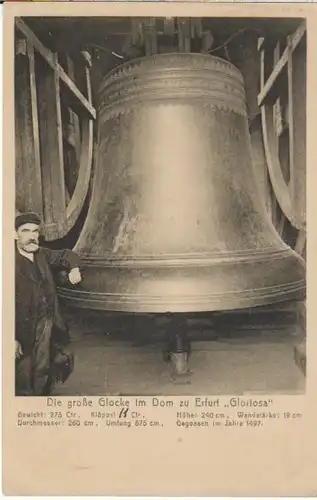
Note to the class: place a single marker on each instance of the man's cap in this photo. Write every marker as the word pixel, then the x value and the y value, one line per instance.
pixel 27 218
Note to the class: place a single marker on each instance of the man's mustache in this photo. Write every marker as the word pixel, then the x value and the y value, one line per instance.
pixel 32 241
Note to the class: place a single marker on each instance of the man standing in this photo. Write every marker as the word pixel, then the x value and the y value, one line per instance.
pixel 37 314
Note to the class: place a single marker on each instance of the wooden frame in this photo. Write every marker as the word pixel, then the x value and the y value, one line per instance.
pixel 51 60
pixel 291 196
pixel 269 84
pixel 46 155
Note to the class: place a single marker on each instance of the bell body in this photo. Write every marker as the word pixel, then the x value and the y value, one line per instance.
pixel 176 223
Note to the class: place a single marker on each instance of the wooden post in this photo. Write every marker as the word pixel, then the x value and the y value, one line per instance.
pixel 72 137
pixel 183 35
pixel 51 140
pixel 150 36
pixel 270 196
pixel 74 128
pixel 297 129
pixel 85 166
pixel 259 161
pixel 28 171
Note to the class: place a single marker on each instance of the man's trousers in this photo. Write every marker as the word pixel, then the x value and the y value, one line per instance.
pixel 32 371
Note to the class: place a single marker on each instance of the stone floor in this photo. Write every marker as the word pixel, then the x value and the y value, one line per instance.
pixel 247 363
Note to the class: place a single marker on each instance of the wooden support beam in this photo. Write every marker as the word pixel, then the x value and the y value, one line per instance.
pixel 49 57
pixel 77 100
pixel 184 41
pixel 262 69
pixel 73 119
pixel 51 140
pixel 81 189
pixel 281 225
pixel 259 160
pixel 281 64
pixel 297 131
pixel 150 36
pixel 169 26
pixel 28 170
pixel 290 119
pixel 300 356
pixel 300 242
pixel 261 42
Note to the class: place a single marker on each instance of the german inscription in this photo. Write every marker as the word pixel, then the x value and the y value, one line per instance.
pixel 156 412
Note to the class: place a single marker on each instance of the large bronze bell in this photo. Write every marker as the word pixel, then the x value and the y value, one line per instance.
pixel 176 223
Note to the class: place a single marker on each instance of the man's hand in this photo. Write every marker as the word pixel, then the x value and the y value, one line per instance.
pixel 74 276
pixel 18 350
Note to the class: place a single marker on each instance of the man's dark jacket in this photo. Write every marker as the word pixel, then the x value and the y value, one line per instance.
pixel 28 292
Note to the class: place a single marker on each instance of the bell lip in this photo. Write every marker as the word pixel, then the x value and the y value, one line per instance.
pixel 168 54
pixel 124 292
pixel 194 304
